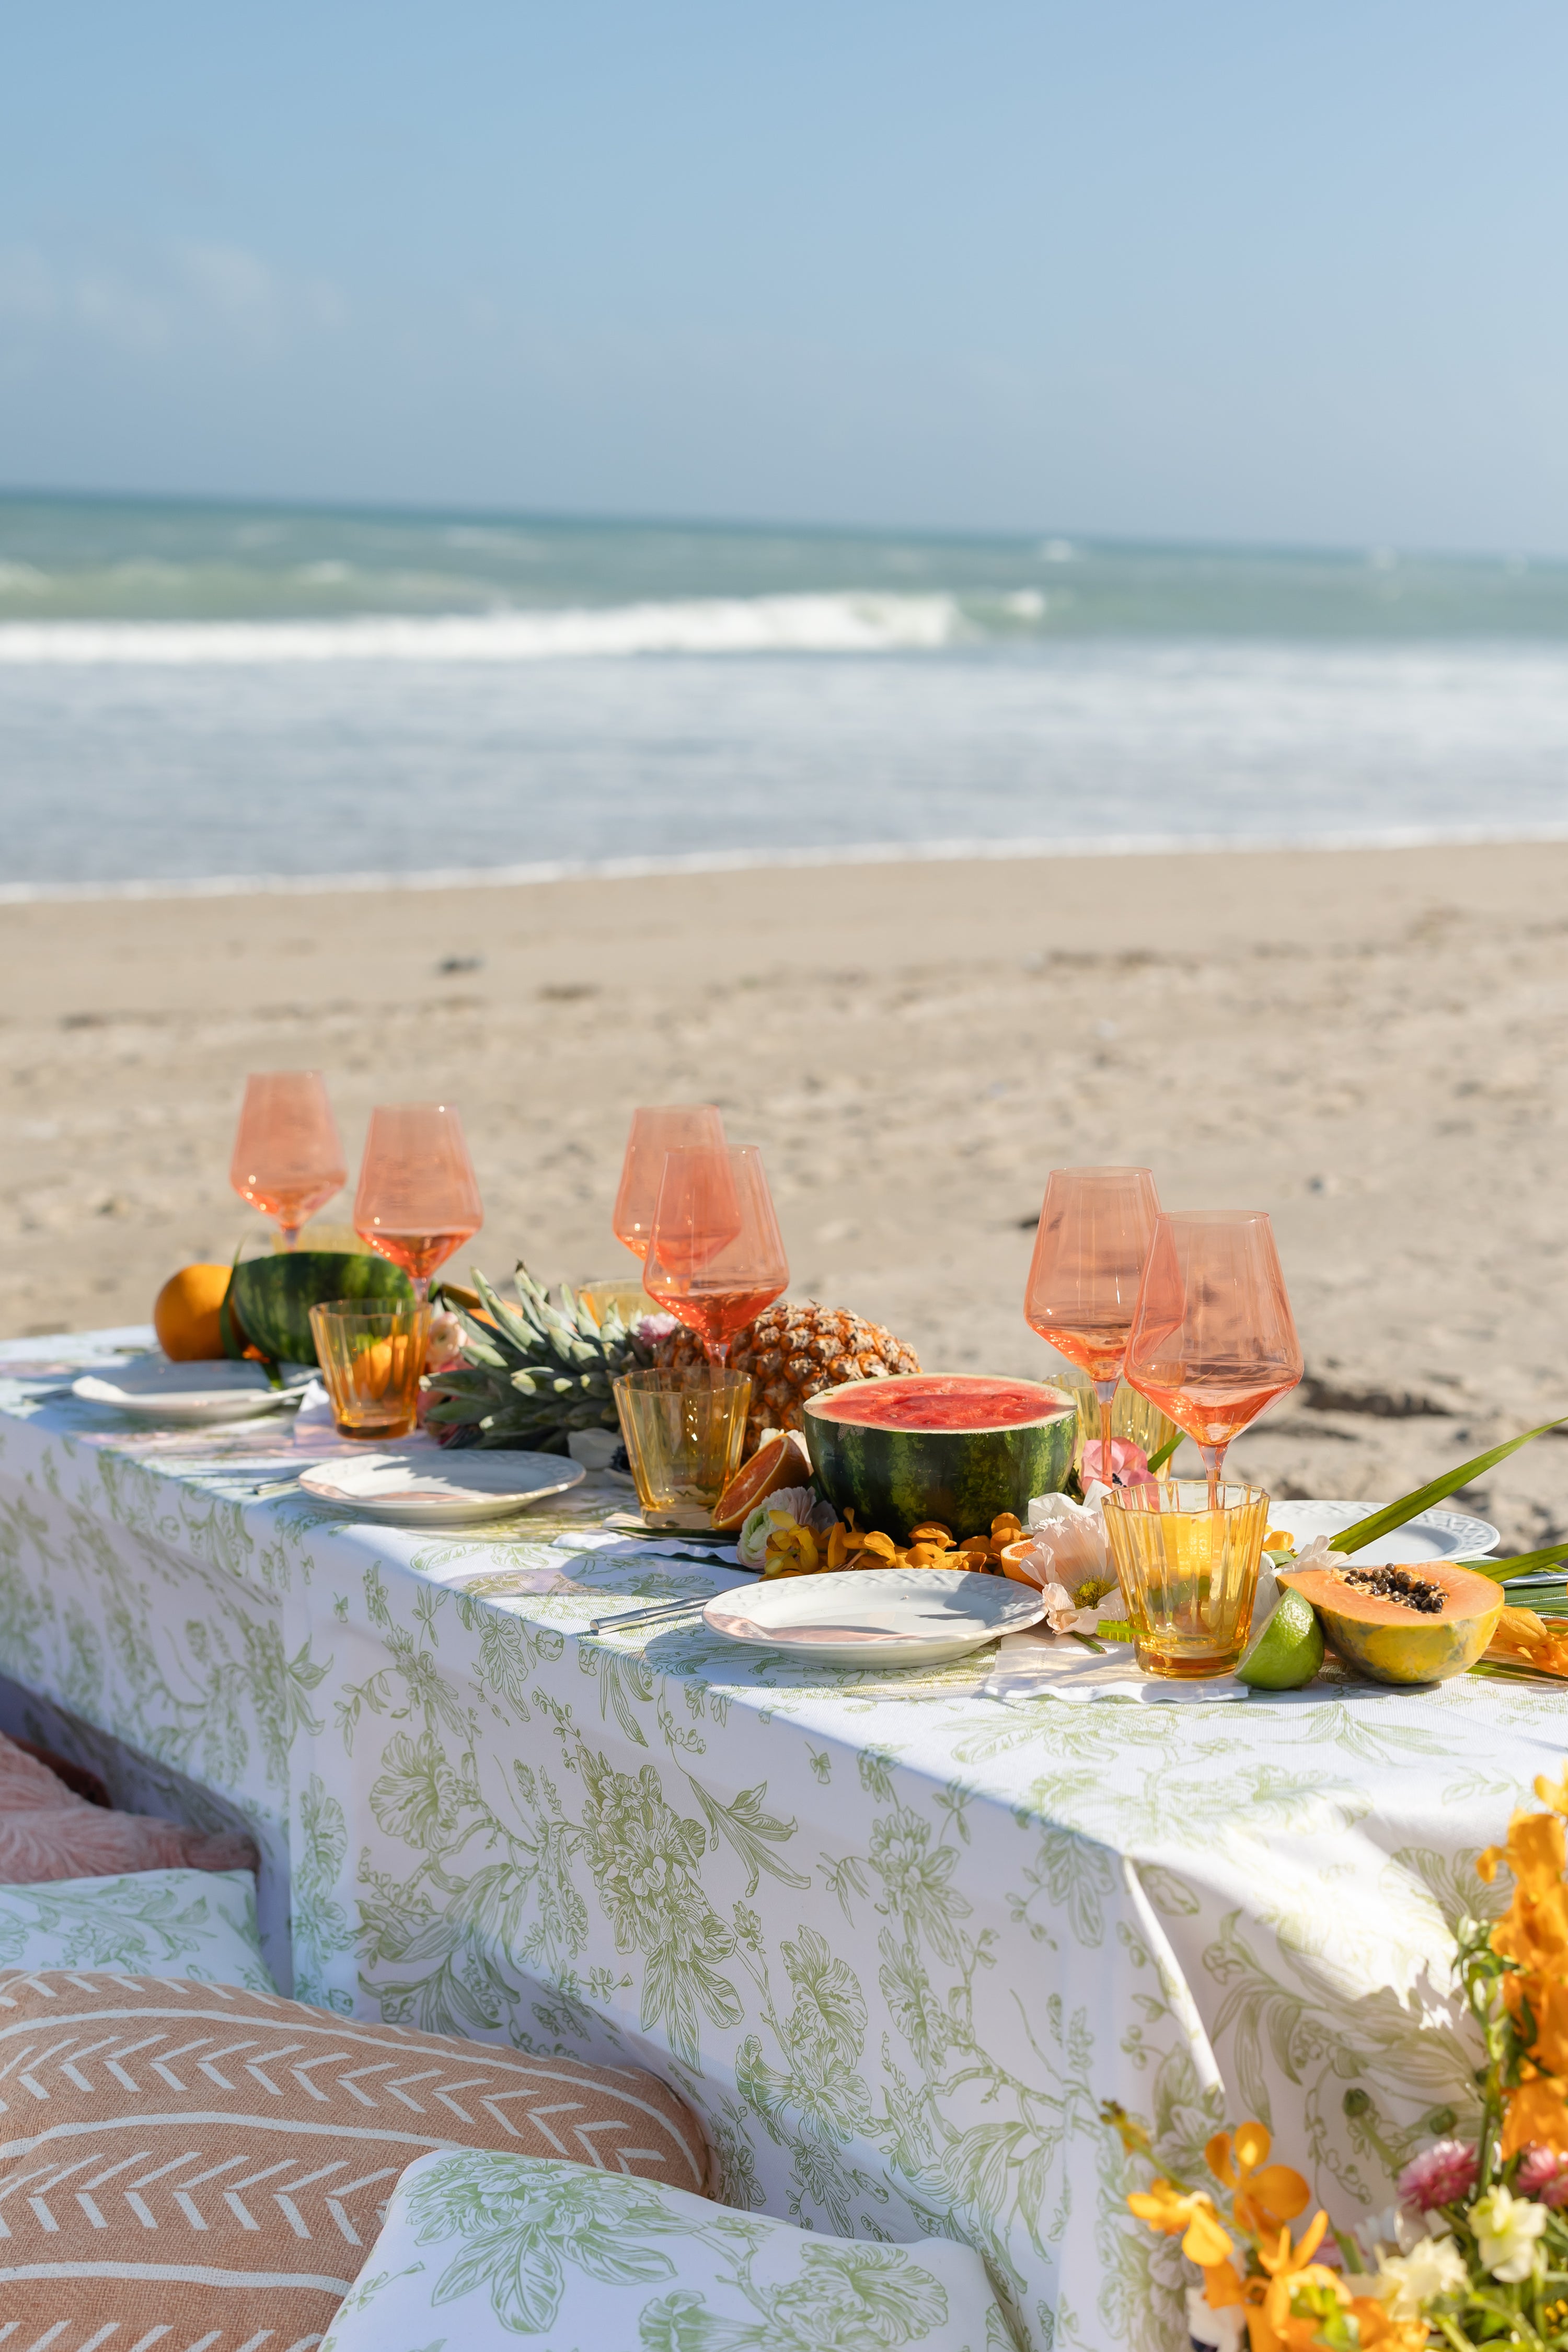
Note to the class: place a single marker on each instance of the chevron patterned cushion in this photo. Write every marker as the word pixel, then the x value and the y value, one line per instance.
pixel 184 2163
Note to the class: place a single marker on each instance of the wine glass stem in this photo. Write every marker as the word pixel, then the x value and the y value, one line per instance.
pixel 421 1287
pixel 1106 1391
pixel 1213 1459
pixel 718 1353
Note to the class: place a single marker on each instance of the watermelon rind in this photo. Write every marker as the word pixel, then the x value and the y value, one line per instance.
pixel 269 1302
pixel 893 1479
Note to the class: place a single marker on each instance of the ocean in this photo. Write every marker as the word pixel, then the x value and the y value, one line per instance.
pixel 213 695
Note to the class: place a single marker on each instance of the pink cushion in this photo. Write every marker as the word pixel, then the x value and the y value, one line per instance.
pixel 47 1832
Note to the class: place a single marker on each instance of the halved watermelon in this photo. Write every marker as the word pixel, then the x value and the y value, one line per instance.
pixel 958 1447
pixel 270 1299
pixel 1420 1622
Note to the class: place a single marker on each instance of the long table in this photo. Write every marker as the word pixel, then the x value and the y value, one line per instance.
pixel 896 1941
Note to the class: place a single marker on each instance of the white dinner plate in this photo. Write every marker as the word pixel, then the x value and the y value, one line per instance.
pixel 1430 1534
pixel 153 1389
pixel 426 1487
pixel 876 1616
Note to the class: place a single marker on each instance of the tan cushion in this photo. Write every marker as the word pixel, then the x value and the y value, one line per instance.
pixel 47 1832
pixel 201 2159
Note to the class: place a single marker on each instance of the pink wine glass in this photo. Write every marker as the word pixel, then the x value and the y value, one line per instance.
pixel 675 1128
pixel 1096 1225
pixel 288 1162
pixel 418 1198
pixel 1214 1340
pixel 715 1257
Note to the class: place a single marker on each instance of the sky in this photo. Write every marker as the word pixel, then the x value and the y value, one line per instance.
pixel 1216 271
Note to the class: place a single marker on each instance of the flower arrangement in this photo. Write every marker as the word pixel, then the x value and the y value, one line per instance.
pixel 1476 2251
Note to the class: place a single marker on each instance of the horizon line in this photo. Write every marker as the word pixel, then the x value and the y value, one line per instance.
pixel 741 861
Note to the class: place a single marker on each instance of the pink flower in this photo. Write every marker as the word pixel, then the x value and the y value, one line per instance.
pixel 1444 2174
pixel 1129 1464
pixel 1544 2175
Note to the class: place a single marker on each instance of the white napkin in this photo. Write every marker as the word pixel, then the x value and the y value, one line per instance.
pixel 1051 1665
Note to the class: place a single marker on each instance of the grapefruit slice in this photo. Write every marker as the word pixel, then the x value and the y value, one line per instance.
pixel 781 1460
pixel 1419 1622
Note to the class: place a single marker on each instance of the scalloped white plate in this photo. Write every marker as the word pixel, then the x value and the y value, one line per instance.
pixel 153 1389
pixel 424 1488
pixel 1430 1534
pixel 876 1616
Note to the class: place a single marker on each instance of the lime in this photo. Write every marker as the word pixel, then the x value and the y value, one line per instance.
pixel 1288 1651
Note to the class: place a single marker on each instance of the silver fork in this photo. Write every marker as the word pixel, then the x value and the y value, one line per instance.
pixel 656 1614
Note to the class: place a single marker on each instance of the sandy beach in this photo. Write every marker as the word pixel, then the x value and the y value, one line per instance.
pixel 1368 1044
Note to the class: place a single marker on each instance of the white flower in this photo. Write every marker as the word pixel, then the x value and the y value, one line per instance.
pixel 790 1507
pixel 1068 1545
pixel 1406 2282
pixel 1063 1614
pixel 1507 2228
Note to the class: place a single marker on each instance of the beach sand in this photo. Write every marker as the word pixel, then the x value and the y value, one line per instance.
pixel 1368 1044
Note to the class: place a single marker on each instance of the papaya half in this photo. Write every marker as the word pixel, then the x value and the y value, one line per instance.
pixel 1421 1622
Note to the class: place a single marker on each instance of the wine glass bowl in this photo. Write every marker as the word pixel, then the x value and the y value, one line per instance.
pixel 1095 1228
pixel 654 1132
pixel 418 1197
pixel 1213 1341
pixel 288 1162
pixel 715 1256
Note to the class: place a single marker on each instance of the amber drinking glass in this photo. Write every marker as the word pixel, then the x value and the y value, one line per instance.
pixel 418 1198
pixel 372 1361
pixel 1213 1341
pixel 676 1127
pixel 1093 1236
pixel 288 1162
pixel 709 1271
pixel 1187 1556
pixel 685 1434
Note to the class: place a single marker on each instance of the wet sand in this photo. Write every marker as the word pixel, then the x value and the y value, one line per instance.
pixel 1369 1044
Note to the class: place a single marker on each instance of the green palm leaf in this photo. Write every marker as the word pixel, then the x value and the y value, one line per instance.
pixel 1396 1515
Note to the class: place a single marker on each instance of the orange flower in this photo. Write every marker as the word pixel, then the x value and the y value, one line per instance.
pixel 1379 2333
pixel 1290 2268
pixel 1554 1793
pixel 1186 2213
pixel 1536 2111
pixel 1266 2195
pixel 1522 1638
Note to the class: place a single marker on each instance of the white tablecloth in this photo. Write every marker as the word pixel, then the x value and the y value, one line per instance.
pixel 896 1940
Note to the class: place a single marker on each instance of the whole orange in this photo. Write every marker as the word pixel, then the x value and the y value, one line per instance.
pixel 185 1316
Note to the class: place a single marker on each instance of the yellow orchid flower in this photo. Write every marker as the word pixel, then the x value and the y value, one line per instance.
pixel 792 1549
pixel 1188 2214
pixel 1266 2195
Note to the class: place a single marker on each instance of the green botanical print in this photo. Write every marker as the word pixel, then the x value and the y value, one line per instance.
pixel 164 1923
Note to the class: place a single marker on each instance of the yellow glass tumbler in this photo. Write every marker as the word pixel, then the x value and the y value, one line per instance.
pixel 1188 1574
pixel 372 1361
pixel 685 1434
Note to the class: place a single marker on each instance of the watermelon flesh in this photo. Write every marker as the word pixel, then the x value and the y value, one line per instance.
pixel 270 1299
pixel 957 1447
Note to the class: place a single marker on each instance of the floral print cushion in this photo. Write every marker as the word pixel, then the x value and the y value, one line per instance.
pixel 493 2252
pixel 195 1924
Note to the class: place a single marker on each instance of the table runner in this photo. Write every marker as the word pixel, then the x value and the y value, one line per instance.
pixel 896 1940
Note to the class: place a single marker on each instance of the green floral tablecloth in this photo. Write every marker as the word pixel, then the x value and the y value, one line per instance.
pixel 896 1940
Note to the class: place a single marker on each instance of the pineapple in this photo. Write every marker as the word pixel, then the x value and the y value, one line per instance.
pixel 792 1353
pixel 533 1373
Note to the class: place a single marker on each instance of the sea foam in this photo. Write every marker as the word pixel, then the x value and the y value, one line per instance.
pixel 851 622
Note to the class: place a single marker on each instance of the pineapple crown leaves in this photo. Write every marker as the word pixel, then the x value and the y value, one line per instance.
pixel 534 1372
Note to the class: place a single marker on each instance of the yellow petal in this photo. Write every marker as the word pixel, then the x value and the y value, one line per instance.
pixel 1252 2144
pixel 1283 2191
pixel 1217 2156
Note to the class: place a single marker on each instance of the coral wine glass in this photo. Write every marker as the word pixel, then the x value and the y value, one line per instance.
pixel 1096 1225
pixel 288 1162
pixel 1213 1340
pixel 715 1257
pixel 675 1128
pixel 418 1198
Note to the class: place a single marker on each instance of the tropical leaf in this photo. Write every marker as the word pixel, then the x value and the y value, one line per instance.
pixel 1397 1515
